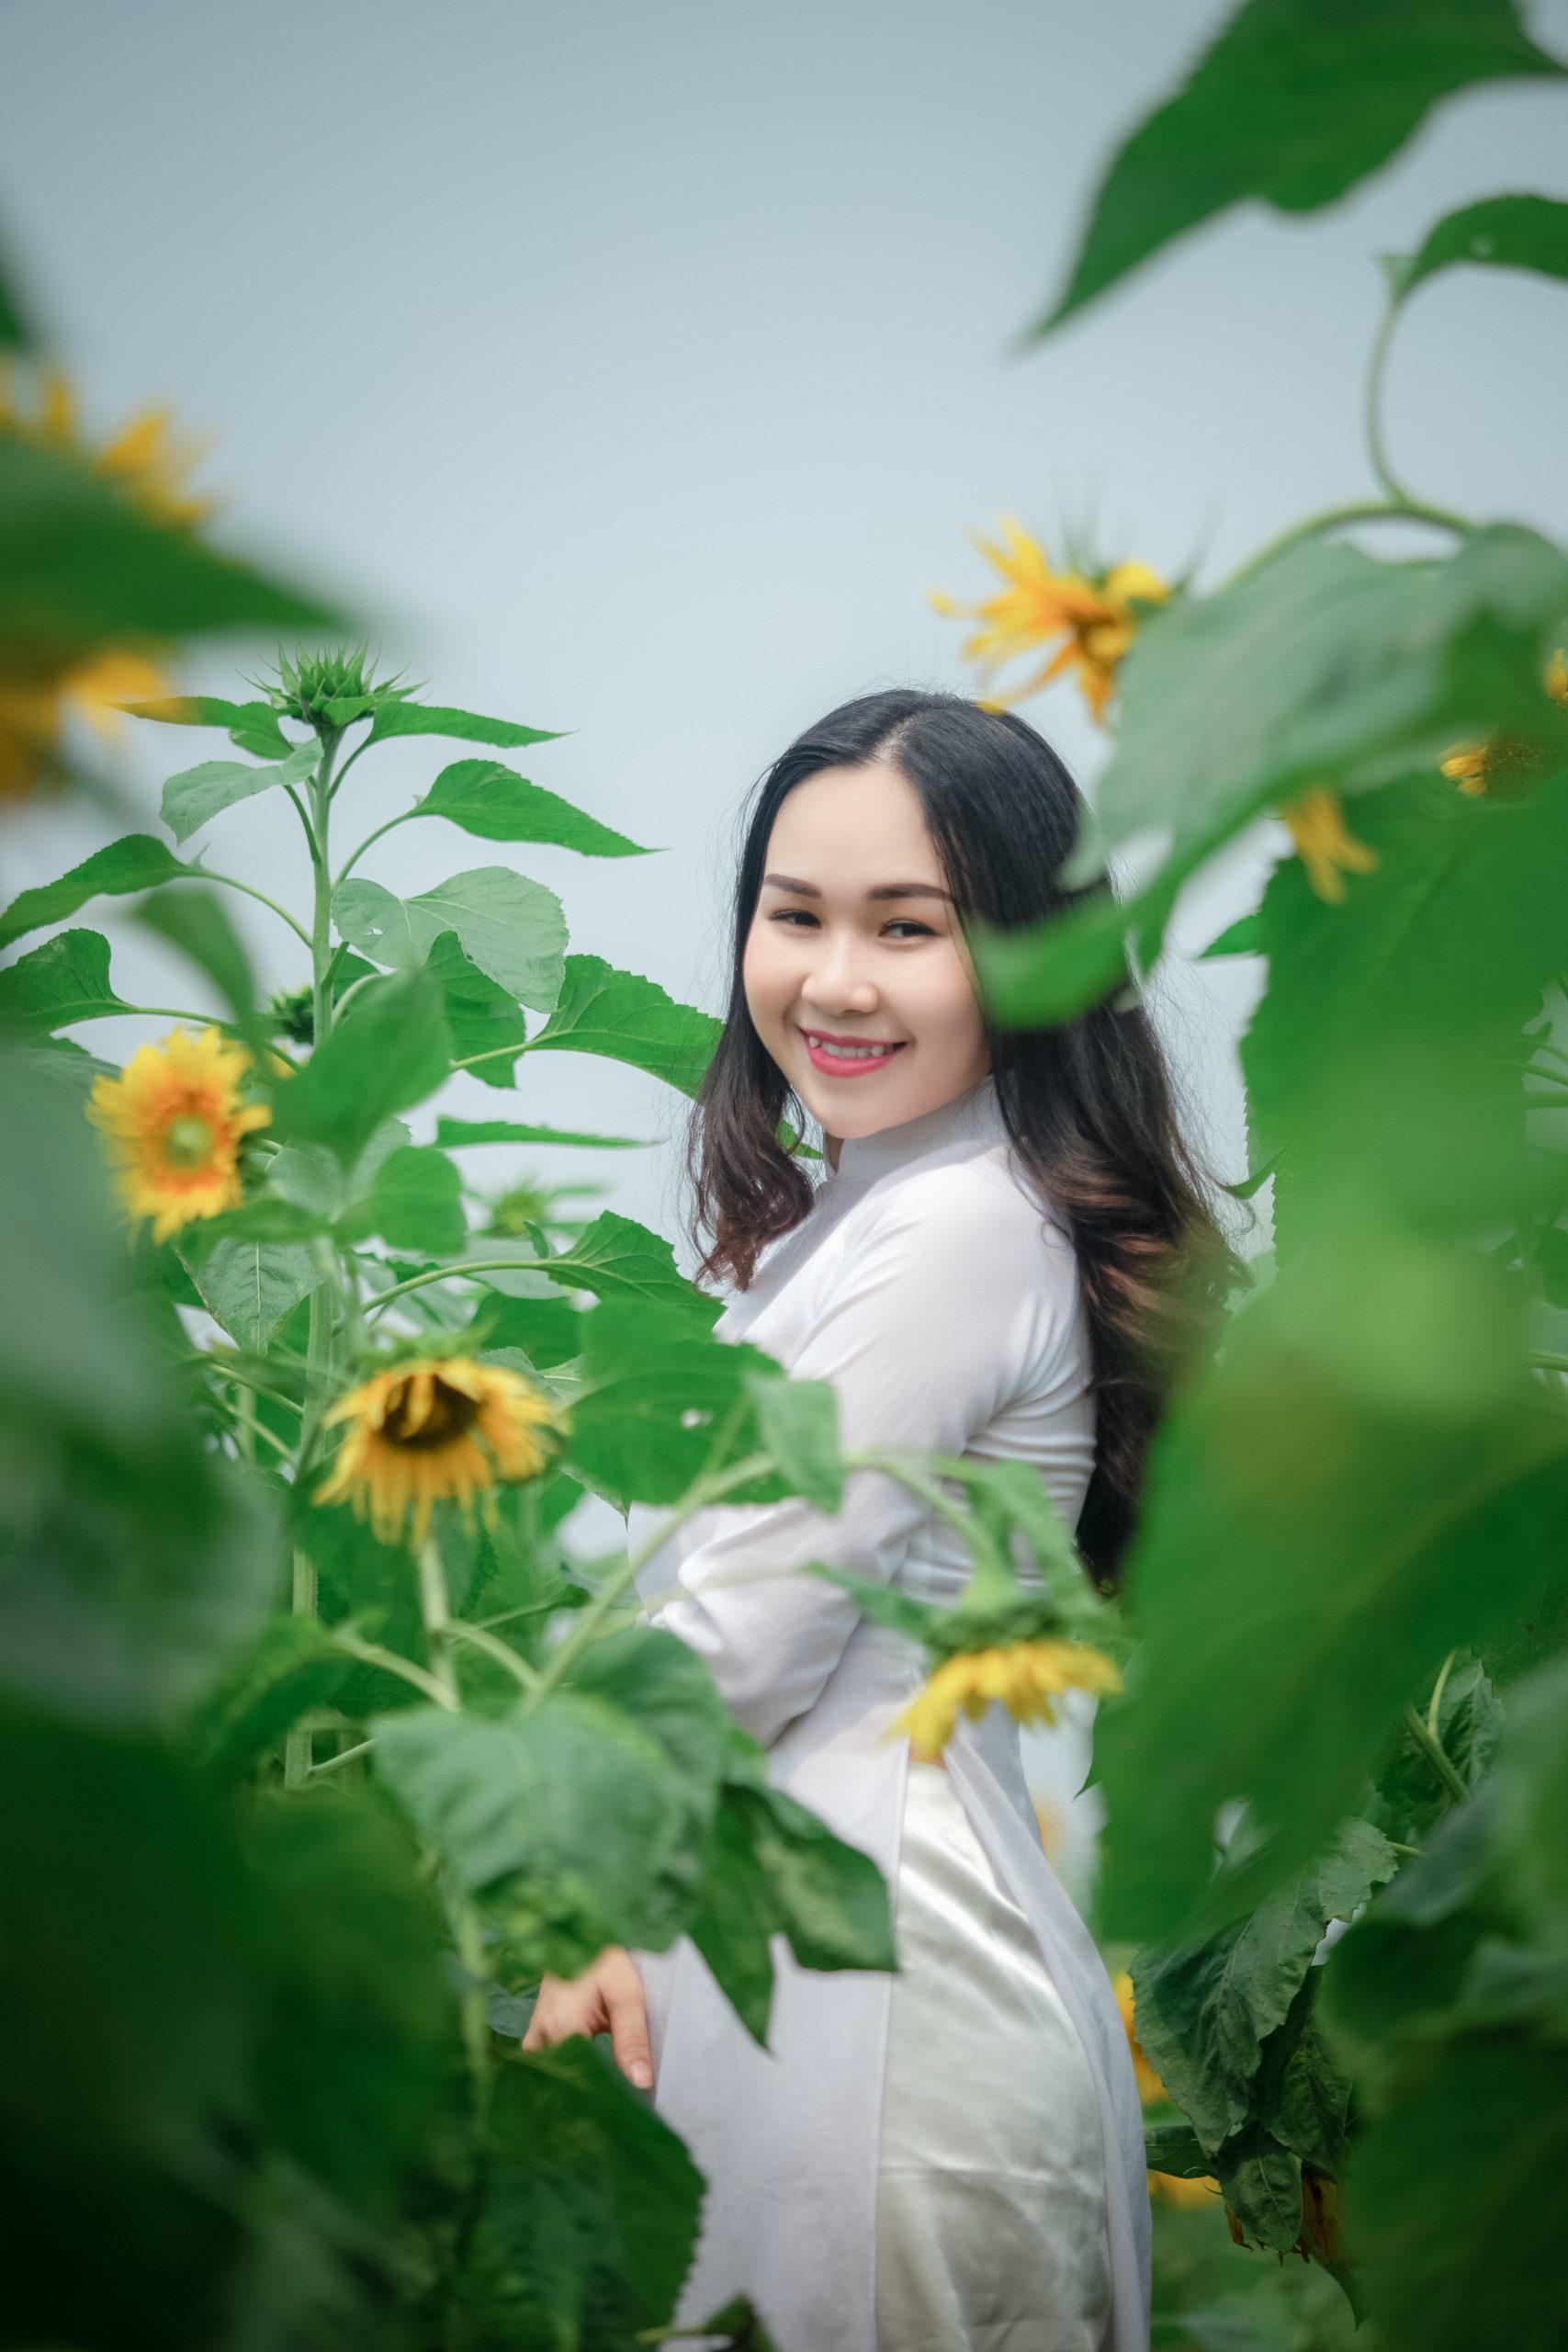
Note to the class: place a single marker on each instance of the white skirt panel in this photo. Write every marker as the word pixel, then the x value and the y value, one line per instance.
pixel 991 2226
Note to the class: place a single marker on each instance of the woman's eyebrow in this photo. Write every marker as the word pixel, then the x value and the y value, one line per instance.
pixel 886 890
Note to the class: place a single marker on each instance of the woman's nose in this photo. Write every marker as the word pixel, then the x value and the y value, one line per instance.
pixel 838 981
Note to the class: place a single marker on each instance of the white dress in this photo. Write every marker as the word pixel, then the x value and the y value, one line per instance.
pixel 951 2159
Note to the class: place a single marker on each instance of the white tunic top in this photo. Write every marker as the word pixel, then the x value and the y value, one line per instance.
pixel 940 1298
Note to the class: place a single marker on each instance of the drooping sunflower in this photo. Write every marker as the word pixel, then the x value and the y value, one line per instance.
pixel 1027 1676
pixel 436 1429
pixel 1096 614
pixel 173 1121
pixel 1316 820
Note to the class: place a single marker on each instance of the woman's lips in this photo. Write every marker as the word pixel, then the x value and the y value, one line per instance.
pixel 855 1057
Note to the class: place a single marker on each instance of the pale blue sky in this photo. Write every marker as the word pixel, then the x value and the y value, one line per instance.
pixel 637 370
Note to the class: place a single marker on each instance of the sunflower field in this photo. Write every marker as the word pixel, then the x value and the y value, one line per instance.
pixel 321 1738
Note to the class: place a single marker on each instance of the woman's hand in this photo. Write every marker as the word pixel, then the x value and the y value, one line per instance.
pixel 607 1998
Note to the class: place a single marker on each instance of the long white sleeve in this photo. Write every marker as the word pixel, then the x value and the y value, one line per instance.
pixel 946 1302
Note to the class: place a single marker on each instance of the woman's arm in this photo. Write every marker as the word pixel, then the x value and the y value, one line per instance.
pixel 935 1320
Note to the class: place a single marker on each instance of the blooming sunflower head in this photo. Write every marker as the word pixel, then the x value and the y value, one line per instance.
pixel 1026 1677
pixel 1088 616
pixel 174 1123
pixel 436 1429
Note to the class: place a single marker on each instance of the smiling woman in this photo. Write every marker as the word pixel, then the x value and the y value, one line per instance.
pixel 1008 1258
pixel 856 973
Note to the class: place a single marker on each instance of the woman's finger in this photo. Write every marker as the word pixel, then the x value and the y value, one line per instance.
pixel 628 2026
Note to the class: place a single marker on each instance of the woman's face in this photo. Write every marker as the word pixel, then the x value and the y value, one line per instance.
pixel 855 945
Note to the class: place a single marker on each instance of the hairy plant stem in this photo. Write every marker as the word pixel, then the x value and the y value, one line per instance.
pixel 435 1611
pixel 1435 1753
pixel 298 1752
pixel 326 1308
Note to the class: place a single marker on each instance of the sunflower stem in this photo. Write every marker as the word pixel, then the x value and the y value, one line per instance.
pixel 299 1749
pixel 436 1610
pixel 321 918
pixel 1435 1753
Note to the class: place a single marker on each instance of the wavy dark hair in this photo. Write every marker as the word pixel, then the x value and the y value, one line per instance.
pixel 1088 1104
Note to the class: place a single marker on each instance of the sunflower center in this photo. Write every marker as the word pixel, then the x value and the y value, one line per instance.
pixel 188 1141
pixel 451 1415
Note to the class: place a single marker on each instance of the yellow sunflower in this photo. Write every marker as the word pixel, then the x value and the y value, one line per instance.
pixel 173 1120
pixel 41 687
pixel 1027 1676
pixel 146 460
pixel 436 1429
pixel 1096 615
pixel 1316 819
pixel 1169 2186
pixel 1508 765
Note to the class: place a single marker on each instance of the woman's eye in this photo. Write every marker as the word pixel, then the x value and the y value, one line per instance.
pixel 915 929
pixel 790 914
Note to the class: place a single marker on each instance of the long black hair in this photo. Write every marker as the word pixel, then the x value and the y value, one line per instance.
pixel 1088 1104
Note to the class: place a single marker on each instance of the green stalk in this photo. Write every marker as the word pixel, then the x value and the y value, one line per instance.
pixel 1435 1753
pixel 437 1612
pixel 298 1753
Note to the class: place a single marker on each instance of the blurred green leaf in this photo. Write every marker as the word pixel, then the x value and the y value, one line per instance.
pixel 387 1052
pixel 434 719
pixel 1388 665
pixel 483 797
pixel 1340 1502
pixel 484 1021
pixel 615 1258
pixel 66 980
pixel 196 796
pixel 198 924
pixel 80 563
pixel 1295 102
pixel 1500 233
pixel 798 1423
pixel 564 1820
pixel 513 929
pixel 1206 2008
pixel 251 1287
pixel 628 1019
pixel 1453 936
pixel 250 726
pixel 582 2230
pixel 138 862
pixel 1471 2258
pixel 453 1134
pixel 662 1402
pixel 415 1202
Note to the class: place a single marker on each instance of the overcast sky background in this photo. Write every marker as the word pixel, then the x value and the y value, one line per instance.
pixel 637 370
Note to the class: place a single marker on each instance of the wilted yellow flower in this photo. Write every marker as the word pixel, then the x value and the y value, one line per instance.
pixel 1027 1676
pixel 1508 765
pixel 1170 2185
pixel 437 1428
pixel 1096 615
pixel 1316 821
pixel 174 1120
